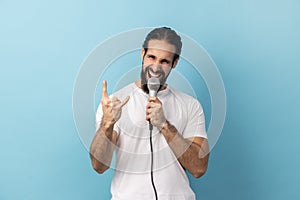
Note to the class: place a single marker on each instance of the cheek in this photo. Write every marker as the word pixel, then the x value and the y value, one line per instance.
pixel 167 70
pixel 144 67
pixel 147 63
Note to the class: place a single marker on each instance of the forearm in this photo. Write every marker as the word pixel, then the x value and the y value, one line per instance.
pixel 192 156
pixel 102 147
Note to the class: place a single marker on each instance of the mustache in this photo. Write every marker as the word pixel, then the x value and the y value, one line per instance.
pixel 148 68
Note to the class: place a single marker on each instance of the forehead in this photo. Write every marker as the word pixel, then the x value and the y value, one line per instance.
pixel 162 47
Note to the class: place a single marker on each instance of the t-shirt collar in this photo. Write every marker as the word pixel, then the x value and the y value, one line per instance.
pixel 160 94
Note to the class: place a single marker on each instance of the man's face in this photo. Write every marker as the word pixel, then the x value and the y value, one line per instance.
pixel 157 61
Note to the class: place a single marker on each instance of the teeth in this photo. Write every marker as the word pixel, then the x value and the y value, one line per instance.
pixel 154 75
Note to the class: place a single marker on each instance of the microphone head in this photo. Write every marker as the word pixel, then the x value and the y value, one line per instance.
pixel 153 85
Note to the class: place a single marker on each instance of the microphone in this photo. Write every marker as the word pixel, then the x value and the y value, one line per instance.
pixel 153 85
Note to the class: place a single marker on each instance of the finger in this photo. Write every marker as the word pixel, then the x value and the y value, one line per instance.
pixel 115 101
pixel 124 102
pixel 150 105
pixel 148 110
pixel 105 101
pixel 148 117
pixel 152 99
pixel 113 98
pixel 104 90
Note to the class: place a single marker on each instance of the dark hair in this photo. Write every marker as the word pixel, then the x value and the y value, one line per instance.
pixel 166 34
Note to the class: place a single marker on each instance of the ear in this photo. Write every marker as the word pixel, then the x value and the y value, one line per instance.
pixel 175 63
pixel 143 53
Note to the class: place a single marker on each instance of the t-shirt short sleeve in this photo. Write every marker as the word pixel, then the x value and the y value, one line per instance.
pixel 99 115
pixel 196 121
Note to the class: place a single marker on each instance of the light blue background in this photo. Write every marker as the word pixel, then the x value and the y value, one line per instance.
pixel 255 45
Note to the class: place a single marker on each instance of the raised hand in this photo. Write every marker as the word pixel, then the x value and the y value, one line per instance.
pixel 111 107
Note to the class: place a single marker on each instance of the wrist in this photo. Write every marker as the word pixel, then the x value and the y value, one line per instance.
pixel 107 124
pixel 164 125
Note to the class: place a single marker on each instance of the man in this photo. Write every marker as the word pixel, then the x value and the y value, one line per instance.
pixel 179 139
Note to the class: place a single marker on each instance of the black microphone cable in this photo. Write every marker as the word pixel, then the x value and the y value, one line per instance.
pixel 151 148
pixel 153 85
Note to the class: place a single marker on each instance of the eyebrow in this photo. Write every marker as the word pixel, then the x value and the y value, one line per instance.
pixel 151 55
pixel 162 60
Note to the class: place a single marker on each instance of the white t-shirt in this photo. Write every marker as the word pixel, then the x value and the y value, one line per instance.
pixel 131 179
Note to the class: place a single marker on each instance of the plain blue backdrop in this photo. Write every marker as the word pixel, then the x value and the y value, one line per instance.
pixel 255 45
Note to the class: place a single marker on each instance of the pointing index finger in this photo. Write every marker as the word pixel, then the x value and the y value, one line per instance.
pixel 104 89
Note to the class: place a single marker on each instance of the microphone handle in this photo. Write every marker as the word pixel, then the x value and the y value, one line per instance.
pixel 152 93
pixel 150 126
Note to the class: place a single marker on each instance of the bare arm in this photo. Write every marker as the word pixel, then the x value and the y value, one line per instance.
pixel 102 148
pixel 105 139
pixel 192 153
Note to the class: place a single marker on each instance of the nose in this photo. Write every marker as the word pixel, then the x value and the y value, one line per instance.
pixel 156 67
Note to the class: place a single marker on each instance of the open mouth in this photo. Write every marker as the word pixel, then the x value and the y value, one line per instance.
pixel 154 75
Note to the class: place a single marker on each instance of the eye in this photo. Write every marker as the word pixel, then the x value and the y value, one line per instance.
pixel 151 56
pixel 164 61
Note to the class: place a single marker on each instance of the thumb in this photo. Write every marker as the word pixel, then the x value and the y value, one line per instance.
pixel 124 102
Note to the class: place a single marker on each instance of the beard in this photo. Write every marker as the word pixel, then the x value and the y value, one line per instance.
pixel 145 72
